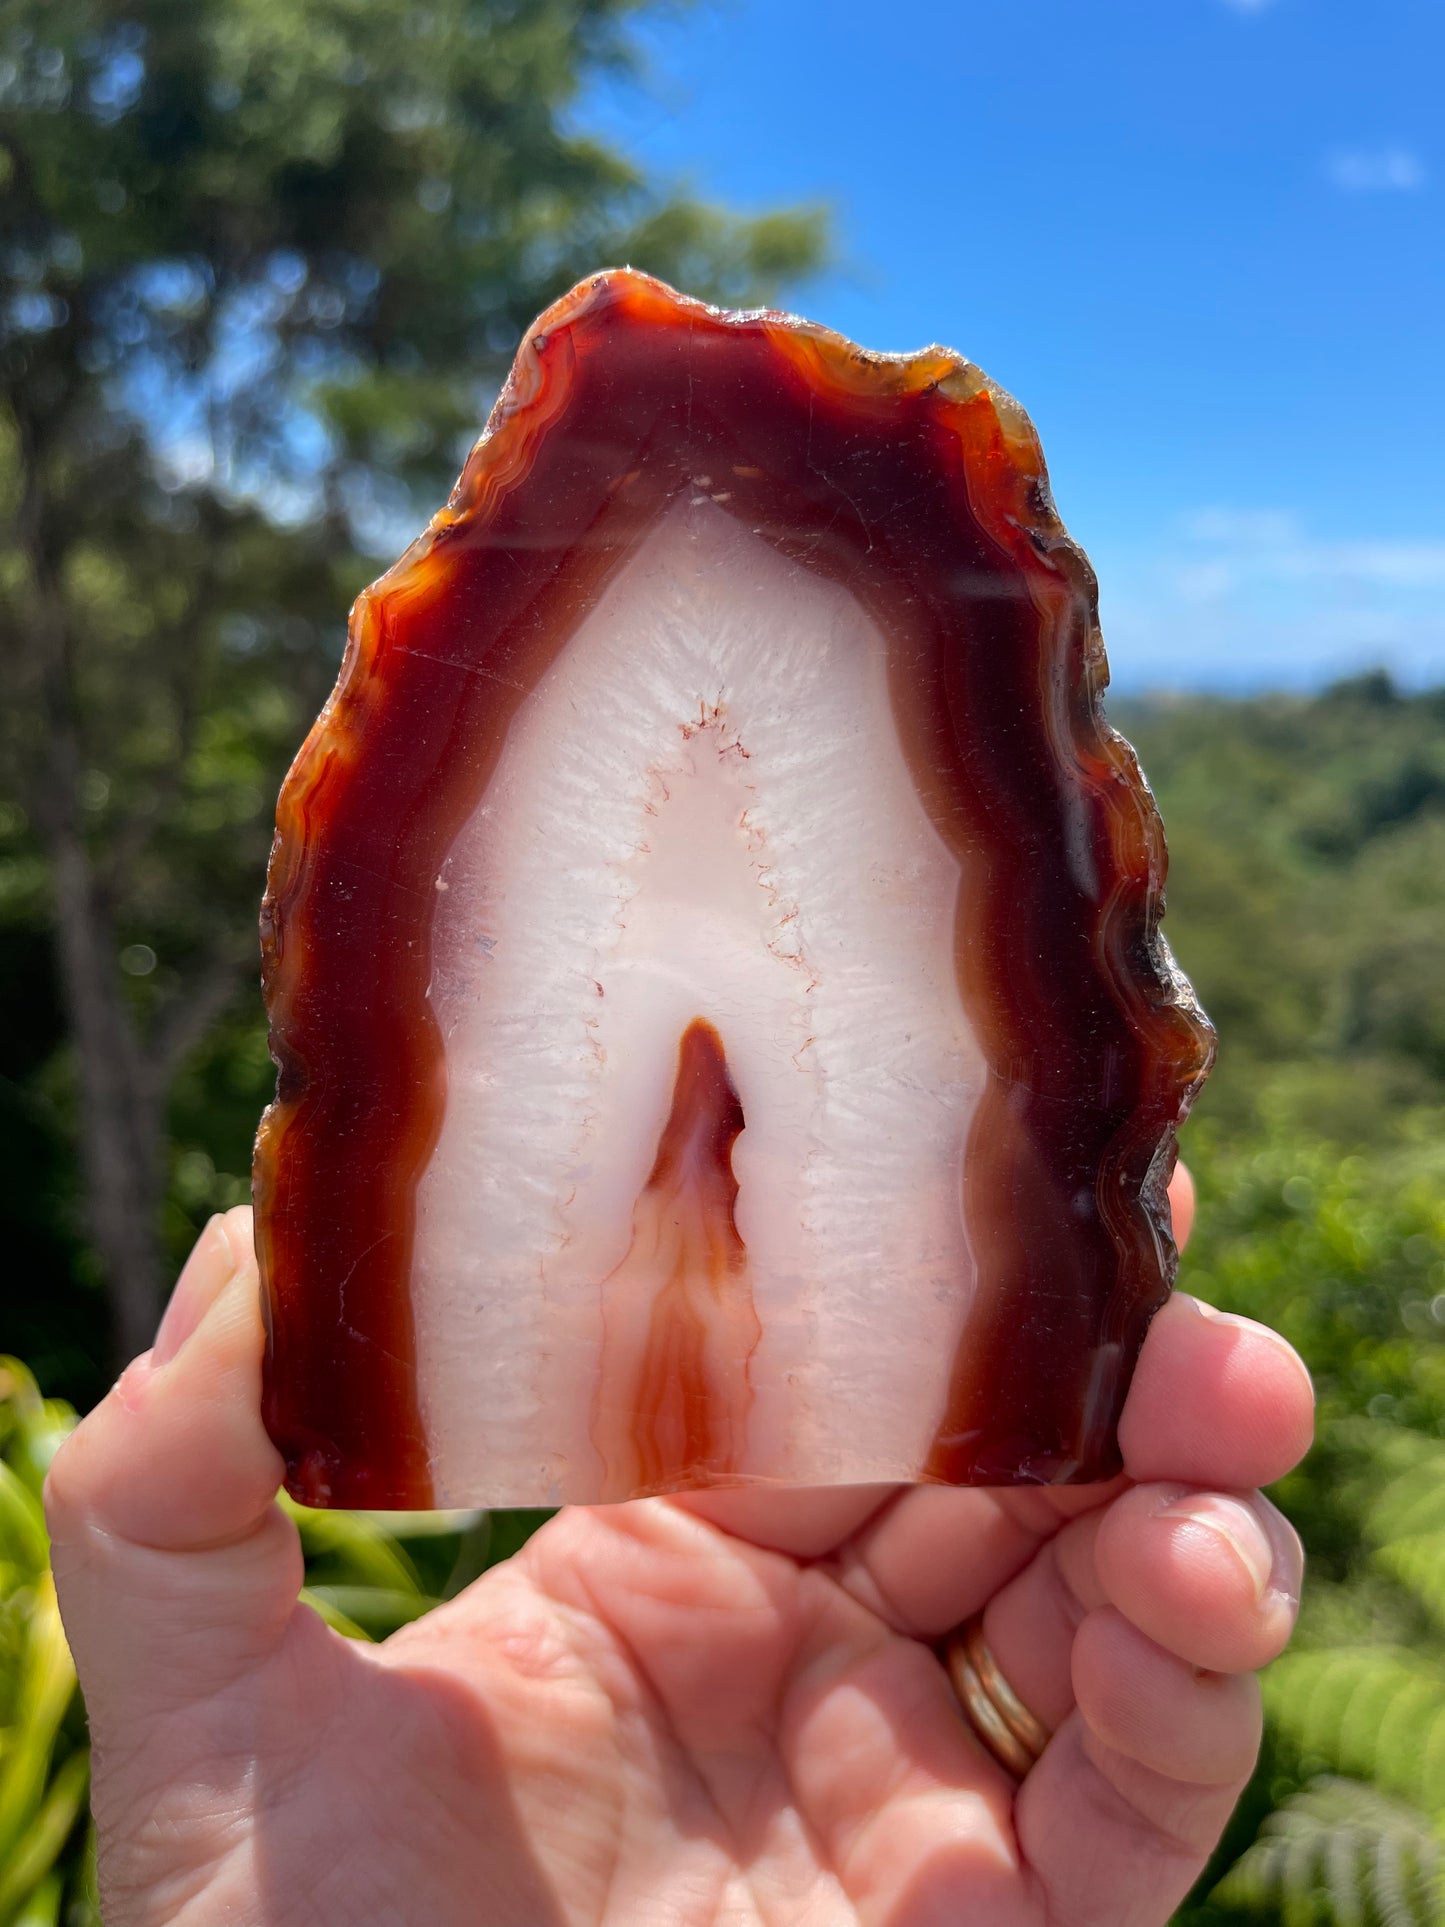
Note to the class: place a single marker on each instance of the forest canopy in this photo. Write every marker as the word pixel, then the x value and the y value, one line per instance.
pixel 1307 901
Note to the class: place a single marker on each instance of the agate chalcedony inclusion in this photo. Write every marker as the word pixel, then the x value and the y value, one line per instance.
pixel 711 951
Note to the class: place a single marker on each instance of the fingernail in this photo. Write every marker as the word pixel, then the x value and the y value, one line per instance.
pixel 208 1270
pixel 1234 1522
pixel 1253 1329
pixel 1218 1317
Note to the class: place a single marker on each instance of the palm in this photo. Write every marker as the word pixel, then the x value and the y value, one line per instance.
pixel 721 1711
pixel 778 1747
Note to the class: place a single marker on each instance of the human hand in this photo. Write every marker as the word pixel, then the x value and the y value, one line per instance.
pixel 724 1709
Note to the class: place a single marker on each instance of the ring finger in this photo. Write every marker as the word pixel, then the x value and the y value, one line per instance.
pixel 1191 1725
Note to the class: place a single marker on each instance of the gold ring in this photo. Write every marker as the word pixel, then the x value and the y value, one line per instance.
pixel 996 1713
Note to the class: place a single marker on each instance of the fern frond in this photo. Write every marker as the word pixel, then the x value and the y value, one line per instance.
pixel 1416 1561
pixel 1399 1501
pixel 1388 1449
pixel 1341 1854
pixel 1413 1501
pixel 1375 1713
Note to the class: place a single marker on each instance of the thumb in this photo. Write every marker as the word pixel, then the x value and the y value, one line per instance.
pixel 175 1568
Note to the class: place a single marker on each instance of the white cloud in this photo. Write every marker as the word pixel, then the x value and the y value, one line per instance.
pixel 1237 546
pixel 1248 6
pixel 1376 170
pixel 1249 597
pixel 1251 528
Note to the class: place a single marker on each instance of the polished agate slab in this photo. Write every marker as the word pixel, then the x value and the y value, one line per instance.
pixel 712 952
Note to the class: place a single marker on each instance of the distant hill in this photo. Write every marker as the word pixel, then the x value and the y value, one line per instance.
pixel 1307 897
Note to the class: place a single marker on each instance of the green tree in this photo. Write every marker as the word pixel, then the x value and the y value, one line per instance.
pixel 262 263
pixel 1307 899
pixel 1344 1821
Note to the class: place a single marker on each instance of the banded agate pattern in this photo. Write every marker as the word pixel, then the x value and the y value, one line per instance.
pixel 712 952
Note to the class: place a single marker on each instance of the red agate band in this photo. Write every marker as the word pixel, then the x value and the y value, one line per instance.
pixel 918 488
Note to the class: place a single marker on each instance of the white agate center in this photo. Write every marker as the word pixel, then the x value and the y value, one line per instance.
pixel 703 810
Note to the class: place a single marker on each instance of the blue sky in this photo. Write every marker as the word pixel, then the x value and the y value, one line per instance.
pixel 1203 241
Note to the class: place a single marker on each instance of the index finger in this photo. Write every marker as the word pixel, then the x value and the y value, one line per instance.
pixel 1216 1400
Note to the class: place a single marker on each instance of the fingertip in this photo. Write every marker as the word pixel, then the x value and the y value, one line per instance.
pixel 1216 1400
pixel 1182 1203
pixel 212 1262
pixel 176 1570
pixel 1212 1577
pixel 176 1455
pixel 238 1227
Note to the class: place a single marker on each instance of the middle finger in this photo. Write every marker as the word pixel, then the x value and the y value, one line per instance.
pixel 1217 1403
pixel 1211 1577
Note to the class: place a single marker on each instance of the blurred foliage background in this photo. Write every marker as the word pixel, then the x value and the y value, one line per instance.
pixel 262 263
pixel 1307 900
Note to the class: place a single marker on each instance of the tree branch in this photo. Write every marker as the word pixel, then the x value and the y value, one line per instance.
pixel 190 1014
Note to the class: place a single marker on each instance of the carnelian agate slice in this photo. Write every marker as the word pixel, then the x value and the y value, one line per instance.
pixel 712 956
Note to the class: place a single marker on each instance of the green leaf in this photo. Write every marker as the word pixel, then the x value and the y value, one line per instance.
pixel 42 1908
pixel 371 1610
pixel 54 1821
pixel 355 1549
pixel 45 1689
pixel 336 1620
pixel 23 1541
pixel 1340 1854
pixel 1373 1713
